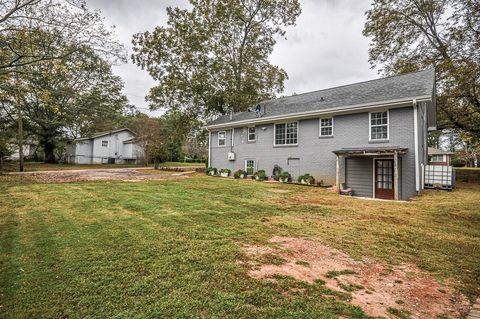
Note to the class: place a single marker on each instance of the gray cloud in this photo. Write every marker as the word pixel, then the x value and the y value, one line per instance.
pixel 326 48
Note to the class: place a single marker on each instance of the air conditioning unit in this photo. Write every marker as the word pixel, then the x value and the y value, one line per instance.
pixel 231 156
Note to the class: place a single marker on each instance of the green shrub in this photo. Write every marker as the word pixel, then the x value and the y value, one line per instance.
pixel 306 179
pixel 285 177
pixel 211 171
pixel 456 162
pixel 225 171
pixel 240 174
pixel 260 175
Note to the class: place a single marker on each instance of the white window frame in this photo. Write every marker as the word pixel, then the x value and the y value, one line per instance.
pixel 104 143
pixel 224 138
pixel 442 158
pixel 248 134
pixel 320 126
pixel 370 126
pixel 254 165
pixel 285 123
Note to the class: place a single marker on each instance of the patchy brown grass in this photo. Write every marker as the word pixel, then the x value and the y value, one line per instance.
pixel 375 287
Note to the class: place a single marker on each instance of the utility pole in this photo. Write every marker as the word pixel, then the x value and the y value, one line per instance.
pixel 20 126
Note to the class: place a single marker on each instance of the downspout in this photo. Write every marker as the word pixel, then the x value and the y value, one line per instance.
pixel 415 134
pixel 209 148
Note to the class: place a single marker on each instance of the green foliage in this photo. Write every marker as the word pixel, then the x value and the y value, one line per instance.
pixel 260 175
pixel 240 174
pixel 285 177
pixel 399 313
pixel 412 35
pixel 457 162
pixel 211 171
pixel 306 179
pixel 213 57
pixel 225 171
pixel 336 273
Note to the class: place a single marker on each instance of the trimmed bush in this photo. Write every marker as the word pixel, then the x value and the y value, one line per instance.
pixel 260 175
pixel 240 174
pixel 306 179
pixel 285 177
pixel 456 162
pixel 211 171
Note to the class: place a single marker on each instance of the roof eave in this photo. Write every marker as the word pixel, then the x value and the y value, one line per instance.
pixel 331 111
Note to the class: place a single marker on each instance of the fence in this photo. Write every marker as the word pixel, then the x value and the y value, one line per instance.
pixel 439 176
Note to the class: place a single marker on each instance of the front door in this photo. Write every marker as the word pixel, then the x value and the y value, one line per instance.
pixel 384 179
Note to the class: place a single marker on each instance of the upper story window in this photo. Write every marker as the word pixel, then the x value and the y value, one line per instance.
pixel 251 134
pixel 326 126
pixel 105 143
pixel 437 159
pixel 379 126
pixel 286 133
pixel 222 138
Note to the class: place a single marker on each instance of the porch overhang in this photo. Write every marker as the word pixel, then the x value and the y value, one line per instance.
pixel 371 151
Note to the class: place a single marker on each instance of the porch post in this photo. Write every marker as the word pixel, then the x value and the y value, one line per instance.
pixel 395 175
pixel 337 176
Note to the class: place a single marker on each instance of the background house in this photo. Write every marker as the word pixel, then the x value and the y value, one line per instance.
pixel 112 147
pixel 439 157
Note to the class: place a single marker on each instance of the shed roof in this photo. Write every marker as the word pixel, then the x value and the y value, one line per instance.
pixel 395 88
pixel 366 151
pixel 100 134
pixel 436 151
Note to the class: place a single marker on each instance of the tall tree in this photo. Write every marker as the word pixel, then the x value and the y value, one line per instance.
pixel 408 35
pixel 213 58
pixel 66 98
pixel 31 31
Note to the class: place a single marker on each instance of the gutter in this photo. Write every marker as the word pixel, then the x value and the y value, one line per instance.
pixel 415 134
pixel 209 148
pixel 331 111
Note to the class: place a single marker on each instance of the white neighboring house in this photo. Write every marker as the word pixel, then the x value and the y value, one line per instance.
pixel 112 147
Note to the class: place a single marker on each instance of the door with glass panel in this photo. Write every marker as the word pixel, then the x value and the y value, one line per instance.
pixel 384 179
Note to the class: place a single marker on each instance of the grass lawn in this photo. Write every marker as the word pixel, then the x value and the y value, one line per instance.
pixel 172 249
pixel 33 167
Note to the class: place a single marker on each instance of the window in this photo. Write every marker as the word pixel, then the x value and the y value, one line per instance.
pixel 286 133
pixel 379 126
pixel 437 159
pixel 251 134
pixel 105 143
pixel 250 167
pixel 222 138
pixel 326 127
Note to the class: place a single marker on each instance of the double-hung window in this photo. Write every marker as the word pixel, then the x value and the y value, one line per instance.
pixel 104 143
pixel 251 134
pixel 379 126
pixel 222 138
pixel 437 159
pixel 286 134
pixel 326 126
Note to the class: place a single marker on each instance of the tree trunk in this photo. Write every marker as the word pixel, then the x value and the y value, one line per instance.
pixel 156 163
pixel 48 150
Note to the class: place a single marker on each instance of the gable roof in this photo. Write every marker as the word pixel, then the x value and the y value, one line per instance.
pixel 405 87
pixel 100 134
pixel 436 151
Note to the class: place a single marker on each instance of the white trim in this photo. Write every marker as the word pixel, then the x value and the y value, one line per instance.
pixel 275 129
pixel 370 126
pixel 254 164
pixel 320 126
pixel 209 148
pixel 218 138
pixel 248 134
pixel 374 177
pixel 358 108
pixel 415 135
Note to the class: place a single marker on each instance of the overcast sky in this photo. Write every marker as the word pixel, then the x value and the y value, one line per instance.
pixel 326 48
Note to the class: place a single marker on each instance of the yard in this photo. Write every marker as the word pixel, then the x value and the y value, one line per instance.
pixel 209 247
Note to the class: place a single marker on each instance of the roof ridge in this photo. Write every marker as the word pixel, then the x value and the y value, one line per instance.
pixel 350 84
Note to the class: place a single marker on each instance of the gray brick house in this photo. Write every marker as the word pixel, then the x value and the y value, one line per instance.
pixel 369 136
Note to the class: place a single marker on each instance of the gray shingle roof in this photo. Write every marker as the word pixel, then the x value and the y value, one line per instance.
pixel 399 87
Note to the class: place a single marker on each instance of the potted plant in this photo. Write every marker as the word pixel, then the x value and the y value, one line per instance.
pixel 211 171
pixel 225 172
pixel 276 172
pixel 306 179
pixel 285 177
pixel 260 175
pixel 240 174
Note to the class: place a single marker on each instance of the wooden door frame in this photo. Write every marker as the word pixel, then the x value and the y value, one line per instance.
pixel 375 159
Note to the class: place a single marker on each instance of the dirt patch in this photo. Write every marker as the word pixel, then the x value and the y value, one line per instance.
pixel 374 287
pixel 127 175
